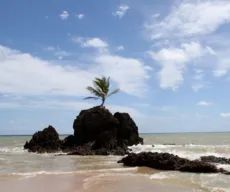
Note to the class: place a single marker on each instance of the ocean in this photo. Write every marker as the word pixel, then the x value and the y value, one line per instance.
pixel 23 171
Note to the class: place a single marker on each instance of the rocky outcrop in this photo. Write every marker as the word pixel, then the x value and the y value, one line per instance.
pixel 96 132
pixel 46 141
pixel 213 159
pixel 166 161
pixel 100 129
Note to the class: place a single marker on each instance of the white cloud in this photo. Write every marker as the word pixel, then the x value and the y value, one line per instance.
pixel 225 115
pixel 80 16
pixel 23 74
pixel 120 48
pixel 91 42
pixel 64 105
pixel 189 18
pixel 199 74
pixel 200 85
pixel 173 62
pixel 130 74
pixel 121 11
pixel 64 15
pixel 204 103
pixel 57 51
pixel 222 67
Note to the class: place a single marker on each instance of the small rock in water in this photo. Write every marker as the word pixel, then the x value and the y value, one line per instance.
pixel 213 159
pixel 169 144
pixel 166 161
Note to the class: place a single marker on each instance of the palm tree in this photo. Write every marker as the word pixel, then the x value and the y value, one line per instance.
pixel 100 90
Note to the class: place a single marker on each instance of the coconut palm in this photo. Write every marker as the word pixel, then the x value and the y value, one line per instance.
pixel 100 90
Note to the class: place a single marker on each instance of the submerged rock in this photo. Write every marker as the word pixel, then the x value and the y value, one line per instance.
pixel 46 141
pixel 213 159
pixel 166 161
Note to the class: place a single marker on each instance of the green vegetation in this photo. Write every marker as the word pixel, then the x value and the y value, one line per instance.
pixel 100 90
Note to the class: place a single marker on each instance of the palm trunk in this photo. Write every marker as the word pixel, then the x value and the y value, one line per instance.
pixel 103 101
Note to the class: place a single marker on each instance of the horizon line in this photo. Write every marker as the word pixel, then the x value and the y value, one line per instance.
pixel 66 134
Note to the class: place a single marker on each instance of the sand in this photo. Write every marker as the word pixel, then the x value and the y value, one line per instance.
pixel 87 182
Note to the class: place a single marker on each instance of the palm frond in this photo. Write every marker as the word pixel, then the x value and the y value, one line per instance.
pixel 102 84
pixel 96 98
pixel 97 86
pixel 114 92
pixel 94 91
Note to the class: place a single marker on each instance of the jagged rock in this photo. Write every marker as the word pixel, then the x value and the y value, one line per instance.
pixel 96 132
pixel 68 143
pixel 198 167
pixel 213 159
pixel 166 161
pixel 46 141
pixel 82 150
pixel 104 130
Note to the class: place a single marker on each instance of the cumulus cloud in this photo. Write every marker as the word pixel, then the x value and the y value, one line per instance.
pixel 204 103
pixel 23 74
pixel 189 18
pixel 64 15
pixel 130 79
pixel 188 21
pixel 121 11
pixel 173 62
pixel 57 51
pixel 91 42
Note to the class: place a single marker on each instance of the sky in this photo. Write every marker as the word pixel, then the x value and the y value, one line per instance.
pixel 170 59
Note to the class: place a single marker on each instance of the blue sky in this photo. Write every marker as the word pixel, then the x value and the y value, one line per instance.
pixel 169 58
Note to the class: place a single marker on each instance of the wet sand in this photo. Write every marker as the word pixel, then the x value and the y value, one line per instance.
pixel 90 182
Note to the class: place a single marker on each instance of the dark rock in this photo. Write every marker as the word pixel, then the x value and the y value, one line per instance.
pixel 213 159
pixel 82 150
pixel 91 123
pixel 127 130
pixel 46 141
pixel 68 143
pixel 198 167
pixel 166 161
pixel 104 130
pixel 96 132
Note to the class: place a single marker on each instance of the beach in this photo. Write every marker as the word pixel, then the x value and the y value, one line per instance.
pixel 50 172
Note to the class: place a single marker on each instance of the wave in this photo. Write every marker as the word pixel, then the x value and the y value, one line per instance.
pixel 12 150
pixel 121 170
pixel 190 151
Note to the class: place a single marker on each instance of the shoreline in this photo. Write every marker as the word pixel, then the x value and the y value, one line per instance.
pixel 96 181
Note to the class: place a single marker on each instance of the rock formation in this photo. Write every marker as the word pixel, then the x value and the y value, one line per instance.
pixel 44 141
pixel 213 159
pixel 166 161
pixel 96 132
pixel 104 130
